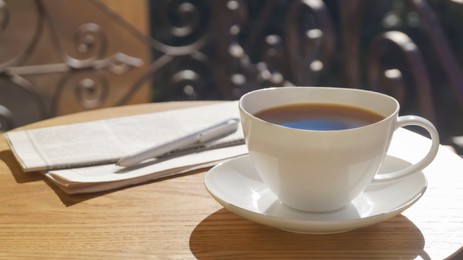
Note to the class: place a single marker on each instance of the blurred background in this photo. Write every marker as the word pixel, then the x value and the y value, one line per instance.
pixel 60 57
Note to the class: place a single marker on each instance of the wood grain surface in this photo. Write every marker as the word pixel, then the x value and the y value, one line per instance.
pixel 175 218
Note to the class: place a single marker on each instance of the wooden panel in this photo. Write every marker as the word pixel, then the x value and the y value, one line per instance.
pixel 134 11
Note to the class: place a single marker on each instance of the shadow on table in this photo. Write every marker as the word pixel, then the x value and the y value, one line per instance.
pixel 223 234
pixel 68 200
pixel 72 199
pixel 20 176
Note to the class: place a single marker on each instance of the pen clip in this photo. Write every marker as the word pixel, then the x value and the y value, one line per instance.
pixel 218 131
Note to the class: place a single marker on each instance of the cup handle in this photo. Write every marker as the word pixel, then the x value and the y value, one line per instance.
pixel 427 159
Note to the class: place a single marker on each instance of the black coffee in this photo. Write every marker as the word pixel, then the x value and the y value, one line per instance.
pixel 320 116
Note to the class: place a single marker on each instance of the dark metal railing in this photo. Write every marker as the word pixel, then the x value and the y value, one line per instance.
pixel 221 49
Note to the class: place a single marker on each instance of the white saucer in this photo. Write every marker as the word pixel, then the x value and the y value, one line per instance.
pixel 237 186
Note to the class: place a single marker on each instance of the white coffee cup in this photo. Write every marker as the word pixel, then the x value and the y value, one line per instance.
pixel 318 170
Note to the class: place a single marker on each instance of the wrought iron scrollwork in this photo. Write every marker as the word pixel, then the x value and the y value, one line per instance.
pixel 89 44
pixel 438 40
pixel 417 93
pixel 65 63
pixel 222 49
pixel 181 34
pixel 82 89
pixel 180 27
pixel 310 40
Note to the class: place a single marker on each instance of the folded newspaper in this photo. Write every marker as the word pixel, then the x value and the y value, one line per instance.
pixel 80 158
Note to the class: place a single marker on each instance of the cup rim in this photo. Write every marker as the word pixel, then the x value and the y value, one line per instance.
pixel 386 118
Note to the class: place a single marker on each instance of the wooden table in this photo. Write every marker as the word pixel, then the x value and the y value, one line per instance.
pixel 176 218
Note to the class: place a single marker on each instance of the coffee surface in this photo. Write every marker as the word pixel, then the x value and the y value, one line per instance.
pixel 323 117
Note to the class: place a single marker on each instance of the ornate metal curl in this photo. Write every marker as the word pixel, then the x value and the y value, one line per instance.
pixel 440 45
pixel 180 27
pixel 81 90
pixel 90 43
pixel 309 49
pixel 235 72
pixel 192 79
pixel 390 80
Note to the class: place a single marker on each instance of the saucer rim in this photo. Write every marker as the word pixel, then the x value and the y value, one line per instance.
pixel 306 226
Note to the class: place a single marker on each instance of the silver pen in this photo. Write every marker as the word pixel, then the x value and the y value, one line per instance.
pixel 208 134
